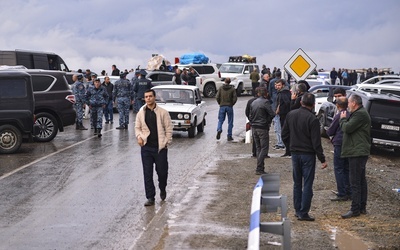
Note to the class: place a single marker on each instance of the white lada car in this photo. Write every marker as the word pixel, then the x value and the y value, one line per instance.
pixel 185 106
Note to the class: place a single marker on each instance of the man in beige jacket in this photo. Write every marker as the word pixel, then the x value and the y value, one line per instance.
pixel 153 129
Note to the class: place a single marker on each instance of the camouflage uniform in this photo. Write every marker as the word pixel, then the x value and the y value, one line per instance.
pixel 123 94
pixel 96 100
pixel 79 91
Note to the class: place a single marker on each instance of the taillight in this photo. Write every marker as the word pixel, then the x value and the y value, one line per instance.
pixel 70 98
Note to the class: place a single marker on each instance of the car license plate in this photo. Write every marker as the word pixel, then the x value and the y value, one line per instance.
pixel 390 127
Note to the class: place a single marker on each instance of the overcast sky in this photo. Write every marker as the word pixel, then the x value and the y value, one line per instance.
pixel 95 34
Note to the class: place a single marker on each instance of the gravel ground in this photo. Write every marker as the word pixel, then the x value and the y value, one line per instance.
pixel 216 214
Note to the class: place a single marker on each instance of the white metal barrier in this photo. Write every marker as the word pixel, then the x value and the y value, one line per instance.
pixel 266 198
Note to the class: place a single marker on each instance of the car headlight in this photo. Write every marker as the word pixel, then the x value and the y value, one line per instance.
pixel 186 116
pixel 180 116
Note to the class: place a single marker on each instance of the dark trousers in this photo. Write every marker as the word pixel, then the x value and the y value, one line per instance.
pixel 261 139
pixel 341 170
pixel 282 119
pixel 303 179
pixel 358 183
pixel 254 85
pixel 151 156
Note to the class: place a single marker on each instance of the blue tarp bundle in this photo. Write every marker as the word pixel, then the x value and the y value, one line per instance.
pixel 196 58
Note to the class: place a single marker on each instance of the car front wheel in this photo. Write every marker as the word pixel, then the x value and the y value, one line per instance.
pixel 10 139
pixel 192 130
pixel 209 90
pixel 48 127
pixel 239 90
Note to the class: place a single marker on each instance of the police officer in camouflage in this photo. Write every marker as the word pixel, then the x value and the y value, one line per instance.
pixel 79 91
pixel 123 95
pixel 97 98
pixel 142 84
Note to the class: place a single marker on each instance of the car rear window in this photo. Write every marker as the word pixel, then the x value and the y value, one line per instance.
pixel 12 88
pixel 42 83
pixel 389 109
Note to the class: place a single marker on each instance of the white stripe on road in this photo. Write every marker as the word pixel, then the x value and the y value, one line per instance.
pixel 47 156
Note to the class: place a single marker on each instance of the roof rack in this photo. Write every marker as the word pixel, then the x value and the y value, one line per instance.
pixel 245 59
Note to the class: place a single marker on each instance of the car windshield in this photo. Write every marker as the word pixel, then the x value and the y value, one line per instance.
pixel 231 68
pixel 385 109
pixel 174 96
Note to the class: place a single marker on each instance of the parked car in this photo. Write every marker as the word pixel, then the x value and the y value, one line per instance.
pixel 185 106
pixel 53 111
pixel 17 104
pixel 209 79
pixel 323 93
pixel 239 73
pixel 384 110
pixel 375 79
pixel 160 77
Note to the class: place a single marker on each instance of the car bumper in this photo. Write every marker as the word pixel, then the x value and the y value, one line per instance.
pixel 386 143
pixel 181 124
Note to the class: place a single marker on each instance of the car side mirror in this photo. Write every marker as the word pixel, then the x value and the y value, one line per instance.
pixel 330 98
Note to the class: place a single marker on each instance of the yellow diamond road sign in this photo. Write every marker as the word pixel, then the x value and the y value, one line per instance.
pixel 300 65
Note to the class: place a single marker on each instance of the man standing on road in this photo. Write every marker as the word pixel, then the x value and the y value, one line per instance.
pixel 79 91
pixel 277 124
pixel 333 75
pixel 254 77
pixel 283 100
pixel 97 98
pixel 341 165
pixel 302 132
pixel 153 129
pixel 123 94
pixel 108 110
pixel 261 116
pixel 356 147
pixel 226 98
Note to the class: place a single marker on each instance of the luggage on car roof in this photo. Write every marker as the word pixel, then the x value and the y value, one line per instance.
pixel 193 58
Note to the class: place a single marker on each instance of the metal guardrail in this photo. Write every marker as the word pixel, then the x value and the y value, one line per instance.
pixel 266 198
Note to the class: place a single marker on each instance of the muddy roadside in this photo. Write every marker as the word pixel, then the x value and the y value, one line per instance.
pixel 216 214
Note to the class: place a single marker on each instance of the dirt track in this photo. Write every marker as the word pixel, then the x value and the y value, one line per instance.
pixel 227 187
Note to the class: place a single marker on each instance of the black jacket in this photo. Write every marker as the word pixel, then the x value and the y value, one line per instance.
pixel 283 100
pixel 261 113
pixel 302 132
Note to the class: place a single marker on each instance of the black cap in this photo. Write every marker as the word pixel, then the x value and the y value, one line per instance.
pixel 80 77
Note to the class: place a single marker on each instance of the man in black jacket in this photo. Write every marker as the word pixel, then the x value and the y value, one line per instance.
pixel 301 131
pixel 283 100
pixel 261 116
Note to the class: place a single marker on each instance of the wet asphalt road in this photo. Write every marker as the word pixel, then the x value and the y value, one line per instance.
pixel 82 192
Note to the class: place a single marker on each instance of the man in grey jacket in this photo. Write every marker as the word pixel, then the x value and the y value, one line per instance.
pixel 261 115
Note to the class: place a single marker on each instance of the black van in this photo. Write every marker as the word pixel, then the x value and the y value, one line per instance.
pixel 17 103
pixel 33 59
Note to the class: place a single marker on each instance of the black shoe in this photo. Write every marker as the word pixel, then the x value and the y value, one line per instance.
pixel 95 132
pixel 260 172
pixel 121 127
pixel 340 198
pixel 219 135
pixel 363 211
pixel 163 195
pixel 276 147
pixel 149 202
pixel 99 133
pixel 286 155
pixel 111 122
pixel 230 138
pixel 350 214
pixel 107 122
pixel 305 217
pixel 267 156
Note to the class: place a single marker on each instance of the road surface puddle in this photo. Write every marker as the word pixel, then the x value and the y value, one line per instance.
pixel 345 241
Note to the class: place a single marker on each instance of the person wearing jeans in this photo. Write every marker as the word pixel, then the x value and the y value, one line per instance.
pixel 226 98
pixel 304 147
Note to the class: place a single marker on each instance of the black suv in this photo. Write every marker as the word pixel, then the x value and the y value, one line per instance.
pixel 53 111
pixel 16 110
pixel 384 110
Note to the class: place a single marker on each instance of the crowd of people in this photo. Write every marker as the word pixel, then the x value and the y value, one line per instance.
pixel 290 110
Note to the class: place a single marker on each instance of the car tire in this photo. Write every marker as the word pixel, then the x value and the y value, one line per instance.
pixel 209 90
pixel 239 89
pixel 192 130
pixel 200 127
pixel 10 139
pixel 322 118
pixel 48 127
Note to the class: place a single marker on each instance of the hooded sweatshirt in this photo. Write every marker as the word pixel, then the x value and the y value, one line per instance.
pixel 226 95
